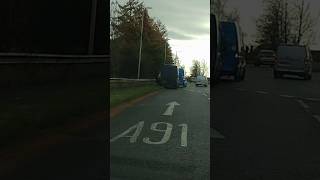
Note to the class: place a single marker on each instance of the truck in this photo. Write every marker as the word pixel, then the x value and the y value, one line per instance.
pixel 169 76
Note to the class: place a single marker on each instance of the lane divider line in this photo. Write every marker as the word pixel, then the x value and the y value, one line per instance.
pixel 216 134
pixel 317 117
pixel 241 89
pixel 262 92
pixel 311 99
pixel 286 96
pixel 304 105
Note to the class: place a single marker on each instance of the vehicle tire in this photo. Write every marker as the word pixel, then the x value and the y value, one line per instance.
pixel 307 77
pixel 237 75
pixel 243 74
pixel 276 74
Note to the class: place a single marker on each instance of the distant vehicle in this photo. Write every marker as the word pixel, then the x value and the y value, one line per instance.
pixel 215 47
pixel 266 57
pixel 201 81
pixel 294 60
pixel 233 64
pixel 182 80
pixel 169 76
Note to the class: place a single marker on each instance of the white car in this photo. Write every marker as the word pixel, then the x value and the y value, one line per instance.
pixel 201 81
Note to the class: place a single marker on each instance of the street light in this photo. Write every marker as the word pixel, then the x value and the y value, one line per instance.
pixel 165 50
pixel 141 40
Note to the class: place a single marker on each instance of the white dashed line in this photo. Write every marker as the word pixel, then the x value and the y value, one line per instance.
pixel 241 89
pixel 204 94
pixel 304 105
pixel 216 134
pixel 311 99
pixel 286 96
pixel 317 117
pixel 262 92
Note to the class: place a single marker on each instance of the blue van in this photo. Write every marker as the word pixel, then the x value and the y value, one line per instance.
pixel 215 47
pixel 233 64
pixel 182 80
pixel 169 76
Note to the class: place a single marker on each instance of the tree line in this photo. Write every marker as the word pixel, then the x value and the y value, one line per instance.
pixel 285 21
pixel 125 34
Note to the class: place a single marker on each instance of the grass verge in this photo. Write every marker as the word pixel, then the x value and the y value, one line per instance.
pixel 119 95
pixel 31 112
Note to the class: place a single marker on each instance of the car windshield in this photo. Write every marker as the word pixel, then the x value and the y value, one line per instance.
pixel 291 52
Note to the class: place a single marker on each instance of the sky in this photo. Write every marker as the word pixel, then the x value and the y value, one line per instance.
pixel 250 10
pixel 188 26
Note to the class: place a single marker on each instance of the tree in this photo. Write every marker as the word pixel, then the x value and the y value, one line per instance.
pixel 282 23
pixel 303 22
pixel 195 68
pixel 125 28
pixel 218 8
pixel 199 68
pixel 204 68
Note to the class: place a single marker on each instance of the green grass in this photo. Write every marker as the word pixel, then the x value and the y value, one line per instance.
pixel 28 112
pixel 123 94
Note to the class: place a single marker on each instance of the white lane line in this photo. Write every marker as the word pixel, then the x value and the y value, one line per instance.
pixel 317 117
pixel 311 99
pixel 204 94
pixel 262 92
pixel 286 96
pixel 241 89
pixel 216 134
pixel 304 105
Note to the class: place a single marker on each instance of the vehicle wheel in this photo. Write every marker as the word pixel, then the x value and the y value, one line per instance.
pixel 237 75
pixel 243 74
pixel 276 74
pixel 307 77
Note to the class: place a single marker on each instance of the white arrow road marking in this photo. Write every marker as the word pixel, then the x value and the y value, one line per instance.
pixel 317 117
pixel 170 108
pixel 216 134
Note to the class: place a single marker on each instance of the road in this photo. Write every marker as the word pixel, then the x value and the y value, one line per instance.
pixel 270 128
pixel 157 140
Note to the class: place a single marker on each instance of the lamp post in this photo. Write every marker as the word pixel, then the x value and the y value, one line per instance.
pixel 140 49
pixel 165 50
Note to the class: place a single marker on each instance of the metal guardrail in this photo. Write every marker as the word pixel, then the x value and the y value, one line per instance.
pixel 17 58
pixel 131 80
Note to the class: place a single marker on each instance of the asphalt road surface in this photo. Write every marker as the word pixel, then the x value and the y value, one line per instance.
pixel 166 136
pixel 270 128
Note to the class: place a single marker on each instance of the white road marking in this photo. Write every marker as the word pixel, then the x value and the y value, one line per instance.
pixel 262 92
pixel 312 99
pixel 204 94
pixel 170 108
pixel 184 134
pixel 286 96
pixel 216 134
pixel 317 117
pixel 241 89
pixel 166 135
pixel 138 127
pixel 304 105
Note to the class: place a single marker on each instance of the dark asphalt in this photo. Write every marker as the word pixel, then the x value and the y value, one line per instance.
pixel 270 128
pixel 174 158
